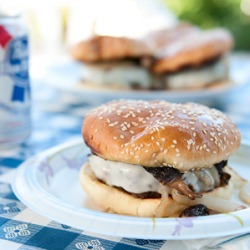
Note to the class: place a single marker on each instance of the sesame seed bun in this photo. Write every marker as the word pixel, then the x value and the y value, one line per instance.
pixel 106 48
pixel 198 48
pixel 157 133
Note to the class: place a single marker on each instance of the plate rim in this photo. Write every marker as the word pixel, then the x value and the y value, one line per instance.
pixel 106 217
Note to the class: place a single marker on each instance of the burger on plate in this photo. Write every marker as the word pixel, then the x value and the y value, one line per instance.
pixel 160 159
pixel 113 62
pixel 181 57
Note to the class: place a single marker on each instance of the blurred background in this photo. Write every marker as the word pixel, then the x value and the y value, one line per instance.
pixel 232 14
pixel 55 25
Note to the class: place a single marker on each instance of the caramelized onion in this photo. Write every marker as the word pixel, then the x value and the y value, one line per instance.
pixel 212 202
pixel 171 177
pixel 167 206
pixel 245 193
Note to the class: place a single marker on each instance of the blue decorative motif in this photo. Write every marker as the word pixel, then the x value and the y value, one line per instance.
pixel 142 242
pixel 46 168
pixel 74 163
pixel 183 222
pixel 92 244
pixel 15 231
pixel 65 226
pixel 9 208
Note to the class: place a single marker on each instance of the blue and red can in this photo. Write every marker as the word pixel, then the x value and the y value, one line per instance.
pixel 15 94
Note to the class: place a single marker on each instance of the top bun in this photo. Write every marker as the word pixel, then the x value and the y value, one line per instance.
pixel 157 133
pixel 106 48
pixel 198 47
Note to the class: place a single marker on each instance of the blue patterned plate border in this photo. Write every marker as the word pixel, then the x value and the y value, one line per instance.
pixel 48 183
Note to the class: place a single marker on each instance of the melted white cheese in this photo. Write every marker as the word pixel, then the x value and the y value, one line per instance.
pixel 124 74
pixel 132 178
pixel 197 78
pixel 135 179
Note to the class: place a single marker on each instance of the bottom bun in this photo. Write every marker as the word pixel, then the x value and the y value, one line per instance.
pixel 114 200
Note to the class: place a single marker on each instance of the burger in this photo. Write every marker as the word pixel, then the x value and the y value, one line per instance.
pixel 160 159
pixel 181 57
pixel 113 62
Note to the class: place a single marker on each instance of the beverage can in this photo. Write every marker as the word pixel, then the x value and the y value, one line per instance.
pixel 15 93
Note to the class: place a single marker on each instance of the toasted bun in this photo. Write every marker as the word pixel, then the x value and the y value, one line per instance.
pixel 104 48
pixel 193 49
pixel 157 133
pixel 114 200
pixel 165 36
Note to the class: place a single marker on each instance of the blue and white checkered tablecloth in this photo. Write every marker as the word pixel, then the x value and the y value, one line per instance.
pixel 57 117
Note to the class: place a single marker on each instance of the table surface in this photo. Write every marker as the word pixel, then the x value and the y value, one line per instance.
pixel 57 117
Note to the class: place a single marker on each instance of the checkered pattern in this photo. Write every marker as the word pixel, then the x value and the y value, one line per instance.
pixel 57 117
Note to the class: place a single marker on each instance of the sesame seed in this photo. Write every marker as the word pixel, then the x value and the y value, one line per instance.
pixel 204 131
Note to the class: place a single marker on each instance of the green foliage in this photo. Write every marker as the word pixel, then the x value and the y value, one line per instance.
pixel 215 13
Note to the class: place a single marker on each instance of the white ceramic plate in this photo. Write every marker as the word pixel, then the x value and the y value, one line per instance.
pixel 49 184
pixel 65 74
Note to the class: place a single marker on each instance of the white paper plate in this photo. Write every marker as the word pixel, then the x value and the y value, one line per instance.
pixel 49 184
pixel 65 74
